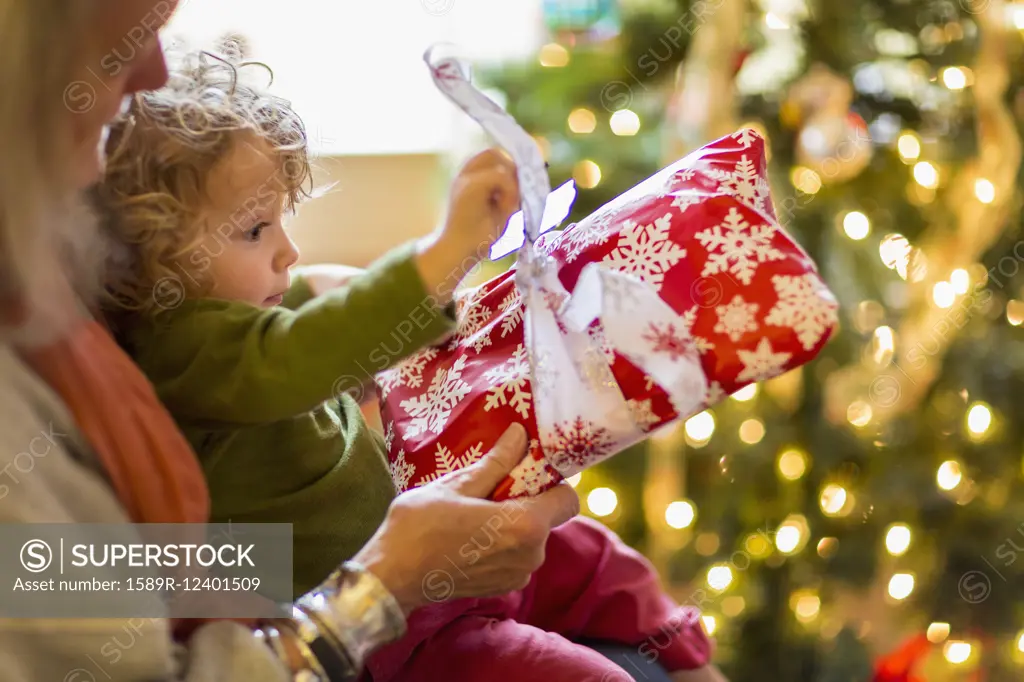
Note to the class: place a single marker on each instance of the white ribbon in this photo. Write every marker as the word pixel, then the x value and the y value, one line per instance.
pixel 582 415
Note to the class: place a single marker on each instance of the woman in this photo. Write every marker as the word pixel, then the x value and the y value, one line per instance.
pixel 112 454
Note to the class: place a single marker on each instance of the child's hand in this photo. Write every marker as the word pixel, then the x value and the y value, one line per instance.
pixel 483 197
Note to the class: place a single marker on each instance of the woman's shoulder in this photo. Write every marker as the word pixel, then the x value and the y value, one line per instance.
pixel 47 470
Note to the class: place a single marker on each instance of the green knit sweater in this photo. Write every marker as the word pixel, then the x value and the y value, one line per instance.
pixel 253 390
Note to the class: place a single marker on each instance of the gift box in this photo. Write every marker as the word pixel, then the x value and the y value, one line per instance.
pixel 674 295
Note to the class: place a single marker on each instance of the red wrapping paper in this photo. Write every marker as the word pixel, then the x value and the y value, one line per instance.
pixel 703 234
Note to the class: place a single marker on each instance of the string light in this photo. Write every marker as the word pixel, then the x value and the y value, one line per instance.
pixel 733 606
pixel 582 121
pixel 979 418
pixel 833 499
pixel 806 605
pixel 827 547
pixel 805 180
pixel 625 123
pixel 984 190
pixel 956 652
pixel 587 174
pixel 949 475
pixel 895 252
pixel 926 175
pixel 1015 312
pixel 937 632
pixel 859 413
pixel 680 514
pixel 901 585
pixel 791 534
pixel 856 225
pixel 602 501
pixel 707 544
pixel 719 577
pixel 553 55
pixel 909 147
pixel 960 280
pixel 792 464
pixel 884 340
pixel 897 539
pixel 709 624
pixel 752 431
pixel 575 479
pixel 757 545
pixel 944 294
pixel 745 394
pixel 954 78
pixel 700 427
pixel 1018 22
pixel 1020 642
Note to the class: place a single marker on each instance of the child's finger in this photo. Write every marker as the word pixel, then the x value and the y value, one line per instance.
pixel 486 159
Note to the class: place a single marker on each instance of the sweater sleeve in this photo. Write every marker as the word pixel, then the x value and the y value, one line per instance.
pixel 229 362
pixel 298 293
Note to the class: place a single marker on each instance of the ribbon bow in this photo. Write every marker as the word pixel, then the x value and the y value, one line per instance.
pixel 582 415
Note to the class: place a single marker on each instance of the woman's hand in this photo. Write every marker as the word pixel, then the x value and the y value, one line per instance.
pixel 445 541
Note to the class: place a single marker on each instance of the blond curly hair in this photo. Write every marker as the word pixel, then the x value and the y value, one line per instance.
pixel 160 156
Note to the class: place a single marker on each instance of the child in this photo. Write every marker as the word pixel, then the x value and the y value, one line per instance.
pixel 200 177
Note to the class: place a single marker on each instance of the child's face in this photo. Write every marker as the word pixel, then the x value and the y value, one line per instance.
pixel 246 254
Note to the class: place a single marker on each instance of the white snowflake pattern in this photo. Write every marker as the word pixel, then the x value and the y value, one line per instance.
pixel 746 137
pixel 762 363
pixel 401 471
pixel 597 335
pixel 430 411
pixel 407 373
pixel 531 478
pixel 389 435
pixel 715 394
pixel 805 306
pixel 736 318
pixel 509 381
pixel 689 318
pixel 668 340
pixel 643 414
pixel 576 443
pixel 513 311
pixel 685 200
pixel 447 462
pixel 686 175
pixel 473 317
pixel 745 183
pixel 646 251
pixel 579 237
pixel 736 247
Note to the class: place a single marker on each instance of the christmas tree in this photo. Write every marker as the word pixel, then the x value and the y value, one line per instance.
pixel 862 517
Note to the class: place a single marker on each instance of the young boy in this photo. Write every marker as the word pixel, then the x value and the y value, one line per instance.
pixel 248 359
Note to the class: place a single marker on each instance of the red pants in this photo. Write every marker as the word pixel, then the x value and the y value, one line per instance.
pixel 591 586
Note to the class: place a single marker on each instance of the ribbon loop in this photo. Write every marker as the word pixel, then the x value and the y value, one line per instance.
pixel 582 415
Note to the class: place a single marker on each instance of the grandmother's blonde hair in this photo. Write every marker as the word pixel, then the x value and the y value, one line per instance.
pixel 160 155
pixel 50 248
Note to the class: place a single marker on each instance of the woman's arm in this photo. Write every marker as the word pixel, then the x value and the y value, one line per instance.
pixel 59 488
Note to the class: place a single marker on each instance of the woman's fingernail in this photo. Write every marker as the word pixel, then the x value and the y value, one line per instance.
pixel 516 434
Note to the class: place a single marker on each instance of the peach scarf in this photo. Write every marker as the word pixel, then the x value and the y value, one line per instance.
pixel 150 463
